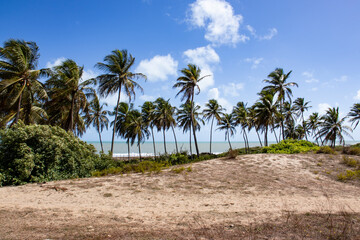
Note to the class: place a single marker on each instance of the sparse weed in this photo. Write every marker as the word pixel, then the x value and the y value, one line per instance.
pixel 351 162
pixel 326 150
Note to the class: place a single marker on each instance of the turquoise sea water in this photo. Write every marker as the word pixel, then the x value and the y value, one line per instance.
pixel 121 149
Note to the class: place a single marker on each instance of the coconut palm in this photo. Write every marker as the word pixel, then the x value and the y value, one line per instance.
pixel 68 96
pixel 354 114
pixel 300 106
pixel 184 119
pixel 253 123
pixel 282 88
pixel 97 117
pixel 187 84
pixel 20 89
pixel 211 112
pixel 332 127
pixel 164 118
pixel 137 129
pixel 148 113
pixel 117 78
pixel 227 123
pixel 313 125
pixel 240 114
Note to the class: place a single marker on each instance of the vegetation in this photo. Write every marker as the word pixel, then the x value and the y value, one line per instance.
pixel 291 146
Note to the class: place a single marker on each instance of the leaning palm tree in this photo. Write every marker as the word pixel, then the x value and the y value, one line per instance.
pixel 213 110
pixel 354 114
pixel 137 129
pixel 184 119
pixel 313 125
pixel 332 127
pixel 279 85
pixel 300 106
pixel 148 114
pixel 240 113
pixel 227 123
pixel 253 123
pixel 97 117
pixel 68 96
pixel 187 84
pixel 20 89
pixel 117 78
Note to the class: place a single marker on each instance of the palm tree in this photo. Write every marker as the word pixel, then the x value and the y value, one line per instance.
pixel 164 118
pixel 97 117
pixel 354 114
pixel 333 127
pixel 148 113
pixel 313 124
pixel 187 84
pixel 184 119
pixel 253 123
pixel 240 114
pixel 227 123
pixel 137 129
pixel 211 112
pixel 300 106
pixel 20 88
pixel 68 96
pixel 118 77
pixel 279 85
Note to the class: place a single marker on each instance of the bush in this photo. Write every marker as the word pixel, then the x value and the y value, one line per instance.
pixel 352 150
pixel 351 162
pixel 326 150
pixel 232 153
pixel 38 153
pixel 290 146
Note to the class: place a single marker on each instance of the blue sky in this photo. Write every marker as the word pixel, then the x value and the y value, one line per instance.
pixel 238 42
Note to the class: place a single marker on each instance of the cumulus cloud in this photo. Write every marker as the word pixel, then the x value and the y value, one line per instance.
pixel 111 100
pixel 322 107
pixel 343 78
pixel 159 68
pixel 272 33
pixel 56 62
pixel 204 57
pixel 147 98
pixel 357 97
pixel 214 93
pixel 88 74
pixel 309 77
pixel 254 61
pixel 219 20
pixel 232 89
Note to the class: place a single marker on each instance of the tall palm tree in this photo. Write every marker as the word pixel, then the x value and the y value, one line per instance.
pixel 97 116
pixel 279 85
pixel 253 123
pixel 227 123
pixel 68 96
pixel 137 129
pixel 313 124
pixel 213 110
pixel 333 127
pixel 148 113
pixel 354 114
pixel 300 106
pixel 20 88
pixel 164 118
pixel 118 77
pixel 184 119
pixel 240 114
pixel 187 84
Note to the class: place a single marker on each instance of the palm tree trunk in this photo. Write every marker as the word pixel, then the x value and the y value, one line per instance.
pixel 244 141
pixel 102 148
pixel 152 134
pixel 19 105
pixel 70 121
pixel 164 140
pixel 257 132
pixel 172 127
pixel 139 148
pixel 320 137
pixel 303 122
pixel 128 143
pixel 247 141
pixel 229 140
pixel 212 122
pixel 114 130
pixel 190 144
pixel 282 120
pixel 192 123
pixel 265 137
pixel 277 141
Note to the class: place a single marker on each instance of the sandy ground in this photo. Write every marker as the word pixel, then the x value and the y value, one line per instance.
pixel 248 189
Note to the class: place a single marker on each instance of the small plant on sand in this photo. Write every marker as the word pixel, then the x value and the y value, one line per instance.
pixel 178 170
pixel 326 150
pixel 232 153
pixel 351 162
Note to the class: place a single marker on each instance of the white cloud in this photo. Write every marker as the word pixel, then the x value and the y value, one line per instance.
pixel 147 98
pixel 87 74
pixel 219 20
pixel 272 33
pixel 310 77
pixel 232 89
pixel 314 89
pixel 322 107
pixel 159 68
pixel 357 97
pixel 255 62
pixel 56 62
pixel 214 93
pixel 203 57
pixel 111 100
pixel 343 78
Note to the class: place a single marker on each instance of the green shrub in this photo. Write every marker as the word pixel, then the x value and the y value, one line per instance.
pixel 352 150
pixel 290 146
pixel 38 153
pixel 326 150
pixel 351 162
pixel 232 153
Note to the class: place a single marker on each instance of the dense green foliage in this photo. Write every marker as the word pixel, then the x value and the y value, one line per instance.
pixel 291 146
pixel 37 153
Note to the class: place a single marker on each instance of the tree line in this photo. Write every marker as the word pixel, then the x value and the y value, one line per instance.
pixel 72 103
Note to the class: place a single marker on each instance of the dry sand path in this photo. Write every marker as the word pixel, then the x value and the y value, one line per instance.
pixel 250 188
